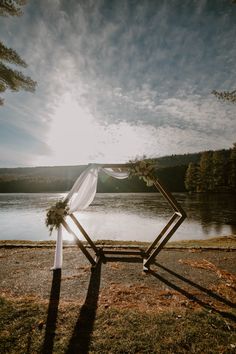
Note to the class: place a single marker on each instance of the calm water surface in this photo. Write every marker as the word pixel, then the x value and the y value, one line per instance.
pixel 134 216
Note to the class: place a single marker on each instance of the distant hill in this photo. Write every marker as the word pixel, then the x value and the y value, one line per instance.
pixel 170 169
pixel 178 160
pixel 49 171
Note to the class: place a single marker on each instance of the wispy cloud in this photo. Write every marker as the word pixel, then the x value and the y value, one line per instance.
pixel 141 69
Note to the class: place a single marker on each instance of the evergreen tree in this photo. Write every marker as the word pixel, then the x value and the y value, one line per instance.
pixel 192 178
pixel 218 170
pixel 11 7
pixel 232 169
pixel 10 78
pixel 205 170
pixel 225 95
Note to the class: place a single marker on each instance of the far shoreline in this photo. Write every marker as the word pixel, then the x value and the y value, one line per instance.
pixel 221 242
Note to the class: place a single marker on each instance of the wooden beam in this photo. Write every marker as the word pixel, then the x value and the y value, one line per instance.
pixel 115 165
pixel 79 243
pixel 170 198
pixel 86 236
pixel 162 233
pixel 166 239
pixel 124 252
pixel 179 212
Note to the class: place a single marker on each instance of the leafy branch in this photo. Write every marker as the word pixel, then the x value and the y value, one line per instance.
pixel 225 95
pixel 144 169
pixel 56 214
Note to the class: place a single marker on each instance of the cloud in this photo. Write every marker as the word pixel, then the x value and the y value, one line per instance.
pixel 140 68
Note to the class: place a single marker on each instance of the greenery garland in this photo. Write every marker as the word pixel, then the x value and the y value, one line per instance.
pixel 56 214
pixel 144 169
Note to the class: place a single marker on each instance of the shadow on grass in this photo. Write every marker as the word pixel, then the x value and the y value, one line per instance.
pixel 81 337
pixel 191 296
pixel 199 287
pixel 125 259
pixel 52 313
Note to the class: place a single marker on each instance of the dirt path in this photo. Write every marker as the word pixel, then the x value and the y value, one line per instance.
pixel 179 279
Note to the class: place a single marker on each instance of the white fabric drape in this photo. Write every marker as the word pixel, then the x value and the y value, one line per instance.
pixel 58 251
pixel 84 189
pixel 83 192
pixel 115 174
pixel 81 196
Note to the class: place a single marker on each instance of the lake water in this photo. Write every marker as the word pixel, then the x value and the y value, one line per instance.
pixel 132 216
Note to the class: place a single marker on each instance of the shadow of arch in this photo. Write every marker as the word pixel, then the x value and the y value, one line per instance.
pixel 124 259
pixel 192 296
pixel 81 337
pixel 199 287
pixel 52 313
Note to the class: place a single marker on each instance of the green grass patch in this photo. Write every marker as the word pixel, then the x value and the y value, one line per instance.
pixel 25 325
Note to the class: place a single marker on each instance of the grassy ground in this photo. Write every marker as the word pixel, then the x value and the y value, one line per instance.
pixel 186 303
pixel 26 328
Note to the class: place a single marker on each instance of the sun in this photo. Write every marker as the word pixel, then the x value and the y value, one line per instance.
pixel 76 136
pixel 73 136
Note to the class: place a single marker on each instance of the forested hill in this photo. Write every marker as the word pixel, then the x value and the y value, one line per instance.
pixel 74 171
pixel 178 160
pixel 171 171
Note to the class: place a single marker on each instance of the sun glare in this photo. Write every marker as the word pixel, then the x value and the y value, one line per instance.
pixel 77 137
pixel 73 136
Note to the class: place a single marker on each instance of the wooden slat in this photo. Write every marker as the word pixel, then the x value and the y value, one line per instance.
pixel 115 165
pixel 125 252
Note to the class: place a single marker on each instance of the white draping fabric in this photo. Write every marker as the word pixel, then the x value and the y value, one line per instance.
pixel 81 196
pixel 83 192
pixel 58 251
pixel 84 189
pixel 115 174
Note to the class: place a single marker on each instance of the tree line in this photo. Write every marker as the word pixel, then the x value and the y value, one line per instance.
pixel 38 184
pixel 61 179
pixel 200 172
pixel 215 172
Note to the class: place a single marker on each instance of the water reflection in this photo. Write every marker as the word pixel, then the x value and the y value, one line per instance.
pixel 212 211
pixel 121 216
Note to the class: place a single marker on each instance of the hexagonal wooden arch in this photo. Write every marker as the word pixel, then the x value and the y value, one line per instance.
pixel 154 248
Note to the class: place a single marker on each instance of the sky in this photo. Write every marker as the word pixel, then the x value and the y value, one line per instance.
pixel 118 80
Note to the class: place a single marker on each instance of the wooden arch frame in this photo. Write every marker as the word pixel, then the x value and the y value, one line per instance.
pixel 154 248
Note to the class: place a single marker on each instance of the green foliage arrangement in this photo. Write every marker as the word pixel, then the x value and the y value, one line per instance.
pixel 144 169
pixel 56 214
